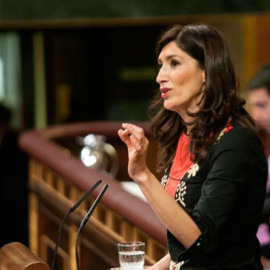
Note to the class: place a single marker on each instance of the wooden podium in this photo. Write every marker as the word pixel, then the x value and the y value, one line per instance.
pixel 58 179
pixel 15 256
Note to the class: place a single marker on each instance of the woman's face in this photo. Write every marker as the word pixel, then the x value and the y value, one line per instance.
pixel 181 80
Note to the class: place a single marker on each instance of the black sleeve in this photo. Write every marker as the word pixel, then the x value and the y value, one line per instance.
pixel 266 208
pixel 233 163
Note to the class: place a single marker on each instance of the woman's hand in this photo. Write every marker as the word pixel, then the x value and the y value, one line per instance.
pixel 153 267
pixel 162 264
pixel 137 145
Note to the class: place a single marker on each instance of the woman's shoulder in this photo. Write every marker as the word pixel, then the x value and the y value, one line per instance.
pixel 240 148
pixel 239 138
pixel 237 134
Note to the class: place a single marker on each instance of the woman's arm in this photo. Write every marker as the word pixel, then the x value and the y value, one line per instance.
pixel 175 219
pixel 162 264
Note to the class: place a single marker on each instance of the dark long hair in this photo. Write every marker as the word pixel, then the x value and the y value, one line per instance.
pixel 220 100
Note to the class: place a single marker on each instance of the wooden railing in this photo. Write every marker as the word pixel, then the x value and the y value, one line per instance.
pixel 57 179
pixel 16 256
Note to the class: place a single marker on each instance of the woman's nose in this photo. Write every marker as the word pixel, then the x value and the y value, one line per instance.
pixel 161 76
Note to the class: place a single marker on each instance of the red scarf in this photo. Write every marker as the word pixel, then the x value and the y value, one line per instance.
pixel 180 166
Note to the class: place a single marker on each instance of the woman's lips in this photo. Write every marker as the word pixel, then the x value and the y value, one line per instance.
pixel 165 92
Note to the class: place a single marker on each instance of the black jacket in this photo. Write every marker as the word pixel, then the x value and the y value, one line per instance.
pixel 224 196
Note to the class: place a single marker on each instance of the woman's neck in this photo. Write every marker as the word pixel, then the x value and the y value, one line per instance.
pixel 188 123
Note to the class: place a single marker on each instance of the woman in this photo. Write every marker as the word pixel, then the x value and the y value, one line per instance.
pixel 215 168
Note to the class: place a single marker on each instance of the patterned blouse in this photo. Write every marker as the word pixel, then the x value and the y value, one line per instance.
pixel 224 196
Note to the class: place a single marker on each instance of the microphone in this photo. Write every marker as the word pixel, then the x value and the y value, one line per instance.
pixel 84 221
pixel 72 209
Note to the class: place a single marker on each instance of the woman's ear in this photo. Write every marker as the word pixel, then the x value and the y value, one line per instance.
pixel 203 76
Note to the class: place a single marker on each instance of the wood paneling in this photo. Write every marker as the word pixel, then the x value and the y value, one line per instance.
pixel 57 180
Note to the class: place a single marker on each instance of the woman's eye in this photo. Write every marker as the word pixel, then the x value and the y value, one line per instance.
pixel 174 63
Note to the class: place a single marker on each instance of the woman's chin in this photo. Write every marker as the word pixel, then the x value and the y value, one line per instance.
pixel 169 106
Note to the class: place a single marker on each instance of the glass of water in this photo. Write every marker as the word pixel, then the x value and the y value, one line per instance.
pixel 131 255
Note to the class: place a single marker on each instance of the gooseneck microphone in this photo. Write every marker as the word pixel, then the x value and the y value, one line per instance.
pixel 84 221
pixel 72 209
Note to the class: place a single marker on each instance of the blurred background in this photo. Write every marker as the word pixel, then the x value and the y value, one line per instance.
pixel 69 61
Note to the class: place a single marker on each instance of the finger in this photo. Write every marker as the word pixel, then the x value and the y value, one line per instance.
pixel 124 136
pixel 124 132
pixel 129 140
pixel 136 131
pixel 132 127
pixel 138 146
pixel 139 135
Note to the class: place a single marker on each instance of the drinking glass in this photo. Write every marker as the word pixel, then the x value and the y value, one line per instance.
pixel 131 255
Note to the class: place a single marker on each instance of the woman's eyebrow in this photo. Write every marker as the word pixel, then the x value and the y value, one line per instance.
pixel 169 57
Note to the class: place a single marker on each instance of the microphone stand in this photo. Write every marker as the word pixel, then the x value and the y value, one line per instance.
pixel 72 209
pixel 84 221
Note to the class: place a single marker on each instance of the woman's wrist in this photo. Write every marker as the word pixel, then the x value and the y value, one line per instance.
pixel 143 177
pixel 155 267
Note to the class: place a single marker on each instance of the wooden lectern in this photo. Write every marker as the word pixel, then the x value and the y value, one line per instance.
pixel 15 256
